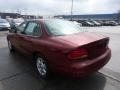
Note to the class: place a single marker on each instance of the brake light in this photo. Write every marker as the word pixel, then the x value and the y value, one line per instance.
pixel 78 54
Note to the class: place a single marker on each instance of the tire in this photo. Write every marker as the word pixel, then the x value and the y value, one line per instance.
pixel 42 67
pixel 10 46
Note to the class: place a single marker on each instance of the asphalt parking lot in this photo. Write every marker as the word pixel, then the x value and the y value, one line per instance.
pixel 17 72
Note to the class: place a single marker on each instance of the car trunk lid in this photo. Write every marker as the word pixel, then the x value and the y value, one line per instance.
pixel 94 44
pixel 96 48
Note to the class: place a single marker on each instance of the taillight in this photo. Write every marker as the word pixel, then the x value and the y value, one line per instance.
pixel 78 54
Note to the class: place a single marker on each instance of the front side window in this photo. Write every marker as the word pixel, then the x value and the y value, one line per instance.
pixel 21 27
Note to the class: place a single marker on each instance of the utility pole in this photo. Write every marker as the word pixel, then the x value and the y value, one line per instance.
pixel 71 10
pixel 118 15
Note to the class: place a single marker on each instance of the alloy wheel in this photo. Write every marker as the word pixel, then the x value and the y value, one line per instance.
pixel 41 66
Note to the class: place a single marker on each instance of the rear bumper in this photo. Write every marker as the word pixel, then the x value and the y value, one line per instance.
pixel 86 67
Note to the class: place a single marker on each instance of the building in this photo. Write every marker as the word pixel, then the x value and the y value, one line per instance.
pixel 9 15
pixel 28 16
pixel 17 15
pixel 89 17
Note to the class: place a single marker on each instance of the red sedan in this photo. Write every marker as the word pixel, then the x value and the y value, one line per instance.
pixel 60 46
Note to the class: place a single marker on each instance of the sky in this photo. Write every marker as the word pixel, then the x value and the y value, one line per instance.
pixel 60 7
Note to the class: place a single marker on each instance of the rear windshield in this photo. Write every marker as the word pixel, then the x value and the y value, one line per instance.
pixel 62 27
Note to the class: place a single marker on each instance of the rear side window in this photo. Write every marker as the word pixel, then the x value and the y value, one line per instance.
pixel 33 29
pixel 37 30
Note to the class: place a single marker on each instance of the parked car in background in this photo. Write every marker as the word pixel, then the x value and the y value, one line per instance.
pixel 113 23
pixel 105 23
pixel 75 22
pixel 17 21
pixel 4 25
pixel 96 23
pixel 90 23
pixel 118 23
pixel 60 46
pixel 109 23
pixel 101 22
pixel 86 23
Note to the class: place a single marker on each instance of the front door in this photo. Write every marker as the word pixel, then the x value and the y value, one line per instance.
pixel 18 35
pixel 29 36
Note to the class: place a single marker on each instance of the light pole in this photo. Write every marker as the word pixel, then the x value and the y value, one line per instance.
pixel 71 10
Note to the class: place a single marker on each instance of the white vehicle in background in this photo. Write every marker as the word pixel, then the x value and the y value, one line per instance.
pixel 17 21
pixel 113 23
pixel 4 25
pixel 77 23
pixel 97 23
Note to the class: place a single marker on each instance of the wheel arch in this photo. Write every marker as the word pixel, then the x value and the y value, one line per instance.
pixel 37 53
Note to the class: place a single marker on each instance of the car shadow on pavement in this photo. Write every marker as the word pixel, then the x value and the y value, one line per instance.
pixel 95 81
pixel 21 75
